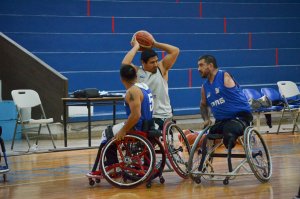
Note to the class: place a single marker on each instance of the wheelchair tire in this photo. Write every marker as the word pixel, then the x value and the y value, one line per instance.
pixel 136 161
pixel 161 161
pixel 177 154
pixel 195 155
pixel 258 155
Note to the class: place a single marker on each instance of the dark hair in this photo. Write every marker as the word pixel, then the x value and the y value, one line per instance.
pixel 147 54
pixel 209 59
pixel 128 72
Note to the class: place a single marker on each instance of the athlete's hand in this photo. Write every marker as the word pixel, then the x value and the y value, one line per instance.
pixel 133 42
pixel 206 124
pixel 120 135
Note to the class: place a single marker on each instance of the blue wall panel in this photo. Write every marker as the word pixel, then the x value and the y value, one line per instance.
pixel 266 8
pixel 89 54
pixel 43 7
pixel 48 24
pixel 54 24
pixel 264 25
pixel 102 81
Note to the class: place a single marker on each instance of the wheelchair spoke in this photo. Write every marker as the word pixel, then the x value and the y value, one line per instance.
pixel 258 156
pixel 136 160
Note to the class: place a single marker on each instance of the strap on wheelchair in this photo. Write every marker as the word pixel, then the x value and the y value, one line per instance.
pixel 109 132
pixel 154 133
pixel 149 127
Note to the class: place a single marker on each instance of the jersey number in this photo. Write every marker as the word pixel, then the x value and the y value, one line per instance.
pixel 150 101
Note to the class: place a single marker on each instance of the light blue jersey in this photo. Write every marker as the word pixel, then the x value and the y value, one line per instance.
pixel 225 102
pixel 146 106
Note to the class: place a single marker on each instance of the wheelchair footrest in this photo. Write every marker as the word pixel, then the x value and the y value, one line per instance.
pixel 154 133
pixel 198 173
pixel 224 155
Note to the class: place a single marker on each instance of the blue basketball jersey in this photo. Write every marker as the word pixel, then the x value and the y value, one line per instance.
pixel 146 106
pixel 225 102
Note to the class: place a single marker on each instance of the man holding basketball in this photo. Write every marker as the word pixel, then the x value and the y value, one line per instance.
pixel 154 73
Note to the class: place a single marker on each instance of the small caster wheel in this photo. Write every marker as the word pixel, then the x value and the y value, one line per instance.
pixel 148 185
pixel 197 180
pixel 212 176
pixel 91 182
pixel 161 180
pixel 98 180
pixel 226 181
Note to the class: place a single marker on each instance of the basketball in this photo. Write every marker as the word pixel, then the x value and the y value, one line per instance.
pixel 186 132
pixel 144 38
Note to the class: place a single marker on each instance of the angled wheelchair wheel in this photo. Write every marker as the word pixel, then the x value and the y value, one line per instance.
pixel 127 163
pixel 195 155
pixel 258 155
pixel 177 151
pixel 160 159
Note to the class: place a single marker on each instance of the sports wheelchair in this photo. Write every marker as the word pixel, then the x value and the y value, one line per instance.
pixel 254 152
pixel 141 157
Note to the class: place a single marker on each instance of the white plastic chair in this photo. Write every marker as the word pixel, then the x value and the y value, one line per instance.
pixel 291 97
pixel 25 100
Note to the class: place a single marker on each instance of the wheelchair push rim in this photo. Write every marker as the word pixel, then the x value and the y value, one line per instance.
pixel 177 152
pixel 258 155
pixel 136 161
pixel 195 155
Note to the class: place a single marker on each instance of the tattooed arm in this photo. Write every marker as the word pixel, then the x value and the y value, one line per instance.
pixel 133 98
pixel 204 109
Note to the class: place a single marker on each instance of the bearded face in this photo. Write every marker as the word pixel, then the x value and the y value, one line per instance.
pixel 203 68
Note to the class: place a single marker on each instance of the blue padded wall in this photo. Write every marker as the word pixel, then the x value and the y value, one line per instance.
pixel 257 41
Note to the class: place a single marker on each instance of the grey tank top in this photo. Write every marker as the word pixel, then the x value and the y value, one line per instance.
pixel 160 91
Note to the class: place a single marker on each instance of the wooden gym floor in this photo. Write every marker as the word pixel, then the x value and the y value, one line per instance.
pixel 62 175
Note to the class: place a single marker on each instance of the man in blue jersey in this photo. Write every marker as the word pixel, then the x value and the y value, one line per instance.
pixel 138 102
pixel 223 96
pixel 139 108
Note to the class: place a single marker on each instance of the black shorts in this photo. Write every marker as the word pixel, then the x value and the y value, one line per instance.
pixel 230 129
pixel 232 126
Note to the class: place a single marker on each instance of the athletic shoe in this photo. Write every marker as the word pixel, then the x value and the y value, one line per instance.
pixel 94 174
pixel 265 101
pixel 255 104
pixel 4 169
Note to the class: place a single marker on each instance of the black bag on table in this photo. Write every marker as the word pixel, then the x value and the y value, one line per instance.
pixel 86 93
